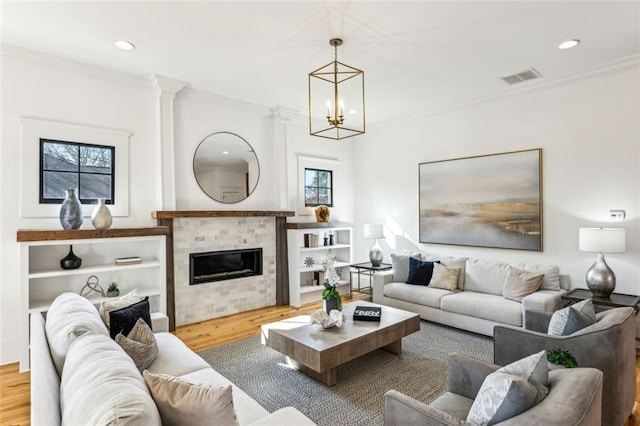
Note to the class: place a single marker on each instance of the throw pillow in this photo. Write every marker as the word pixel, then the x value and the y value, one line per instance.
pixel 123 320
pixel 400 266
pixel 444 278
pixel 450 262
pixel 184 403
pixel 520 283
pixel 572 318
pixel 511 390
pixel 419 272
pixel 140 344
pixel 118 303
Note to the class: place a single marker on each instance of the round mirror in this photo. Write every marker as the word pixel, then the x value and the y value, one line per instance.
pixel 226 167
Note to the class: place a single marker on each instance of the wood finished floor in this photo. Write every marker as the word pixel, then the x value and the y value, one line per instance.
pixel 15 391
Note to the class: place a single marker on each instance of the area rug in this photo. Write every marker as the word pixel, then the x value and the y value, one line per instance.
pixel 357 399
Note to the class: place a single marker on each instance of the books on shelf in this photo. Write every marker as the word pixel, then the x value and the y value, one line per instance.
pixel 128 260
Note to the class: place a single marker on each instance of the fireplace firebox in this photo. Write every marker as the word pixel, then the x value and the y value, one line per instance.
pixel 224 265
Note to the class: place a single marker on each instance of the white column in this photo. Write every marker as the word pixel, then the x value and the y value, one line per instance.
pixel 166 89
pixel 281 117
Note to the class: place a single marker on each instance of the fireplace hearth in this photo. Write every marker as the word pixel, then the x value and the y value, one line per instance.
pixel 224 265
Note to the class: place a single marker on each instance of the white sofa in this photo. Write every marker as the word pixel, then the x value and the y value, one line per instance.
pixel 477 305
pixel 102 385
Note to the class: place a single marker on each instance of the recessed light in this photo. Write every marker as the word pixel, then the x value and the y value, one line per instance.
pixel 225 152
pixel 125 45
pixel 353 111
pixel 568 44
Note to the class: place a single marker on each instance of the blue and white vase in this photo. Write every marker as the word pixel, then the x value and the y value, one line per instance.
pixel 71 211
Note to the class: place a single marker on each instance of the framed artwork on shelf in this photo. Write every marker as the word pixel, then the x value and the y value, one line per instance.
pixel 485 201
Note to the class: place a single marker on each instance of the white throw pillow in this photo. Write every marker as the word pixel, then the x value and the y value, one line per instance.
pixel 572 318
pixel 444 278
pixel 511 390
pixel 119 303
pixel 520 283
pixel 400 266
pixel 184 403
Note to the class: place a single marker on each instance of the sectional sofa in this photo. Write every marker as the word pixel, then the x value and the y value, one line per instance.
pixel 477 303
pixel 100 384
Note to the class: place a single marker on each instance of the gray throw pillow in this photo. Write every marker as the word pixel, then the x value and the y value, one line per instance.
pixel 400 266
pixel 572 318
pixel 140 344
pixel 511 390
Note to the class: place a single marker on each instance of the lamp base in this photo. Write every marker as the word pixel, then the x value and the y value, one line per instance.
pixel 375 254
pixel 600 278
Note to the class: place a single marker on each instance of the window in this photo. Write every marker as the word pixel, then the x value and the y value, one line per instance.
pixel 318 187
pixel 67 165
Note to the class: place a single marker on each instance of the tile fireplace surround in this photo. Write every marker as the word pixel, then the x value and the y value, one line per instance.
pixel 193 231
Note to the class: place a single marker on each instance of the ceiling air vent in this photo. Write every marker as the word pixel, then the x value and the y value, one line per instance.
pixel 522 76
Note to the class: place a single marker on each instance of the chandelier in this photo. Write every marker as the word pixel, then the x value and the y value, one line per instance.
pixel 336 99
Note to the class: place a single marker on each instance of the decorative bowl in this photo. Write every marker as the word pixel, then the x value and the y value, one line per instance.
pixel 334 319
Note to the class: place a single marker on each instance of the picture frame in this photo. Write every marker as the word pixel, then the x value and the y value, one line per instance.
pixel 492 200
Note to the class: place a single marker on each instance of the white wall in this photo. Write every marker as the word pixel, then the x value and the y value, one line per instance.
pixel 589 133
pixel 55 93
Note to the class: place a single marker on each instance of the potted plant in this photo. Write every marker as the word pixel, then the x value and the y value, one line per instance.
pixel 112 290
pixel 330 296
pixel 562 357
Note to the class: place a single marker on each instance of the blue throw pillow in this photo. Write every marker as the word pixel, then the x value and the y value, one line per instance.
pixel 419 272
pixel 123 320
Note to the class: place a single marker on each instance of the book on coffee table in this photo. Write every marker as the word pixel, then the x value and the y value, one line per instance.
pixel 367 313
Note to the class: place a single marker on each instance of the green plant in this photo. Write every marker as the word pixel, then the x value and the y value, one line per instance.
pixel 562 357
pixel 113 286
pixel 331 293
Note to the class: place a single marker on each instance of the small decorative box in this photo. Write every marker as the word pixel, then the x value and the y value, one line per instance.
pixel 367 313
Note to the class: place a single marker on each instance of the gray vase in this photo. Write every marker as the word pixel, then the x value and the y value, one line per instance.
pixel 101 215
pixel 71 211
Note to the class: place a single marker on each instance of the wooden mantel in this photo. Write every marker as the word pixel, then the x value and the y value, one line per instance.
pixel 166 217
pixel 173 214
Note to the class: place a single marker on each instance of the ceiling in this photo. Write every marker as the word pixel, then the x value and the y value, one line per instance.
pixel 418 56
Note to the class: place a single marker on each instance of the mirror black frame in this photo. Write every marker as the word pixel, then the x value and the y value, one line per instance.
pixel 249 190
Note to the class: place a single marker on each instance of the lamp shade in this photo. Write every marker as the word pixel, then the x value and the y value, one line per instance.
pixel 373 231
pixel 602 240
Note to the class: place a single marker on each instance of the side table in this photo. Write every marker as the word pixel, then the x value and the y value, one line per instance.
pixel 369 270
pixel 615 300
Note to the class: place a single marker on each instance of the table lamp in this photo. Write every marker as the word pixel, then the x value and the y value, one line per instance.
pixel 600 278
pixel 374 232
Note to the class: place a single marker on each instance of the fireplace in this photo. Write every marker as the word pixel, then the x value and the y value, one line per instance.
pixel 224 265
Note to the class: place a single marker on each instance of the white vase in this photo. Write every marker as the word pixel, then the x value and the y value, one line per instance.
pixel 101 216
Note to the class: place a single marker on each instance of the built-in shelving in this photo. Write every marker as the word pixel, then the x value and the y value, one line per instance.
pixel 303 286
pixel 42 278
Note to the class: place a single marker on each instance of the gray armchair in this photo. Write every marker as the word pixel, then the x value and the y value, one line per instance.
pixel 575 398
pixel 608 345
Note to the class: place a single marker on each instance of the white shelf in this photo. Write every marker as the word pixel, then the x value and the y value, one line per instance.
pixel 42 279
pixel 93 269
pixel 323 248
pixel 300 289
pixel 320 288
pixel 315 268
pixel 43 305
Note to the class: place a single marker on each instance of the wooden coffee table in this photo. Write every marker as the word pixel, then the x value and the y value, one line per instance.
pixel 318 352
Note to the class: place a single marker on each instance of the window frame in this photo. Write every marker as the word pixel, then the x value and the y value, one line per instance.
pixel 32 129
pixel 112 174
pixel 318 187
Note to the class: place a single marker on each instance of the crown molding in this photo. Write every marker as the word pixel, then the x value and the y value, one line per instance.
pixel 225 101
pixel 41 58
pixel 612 67
pixel 166 85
